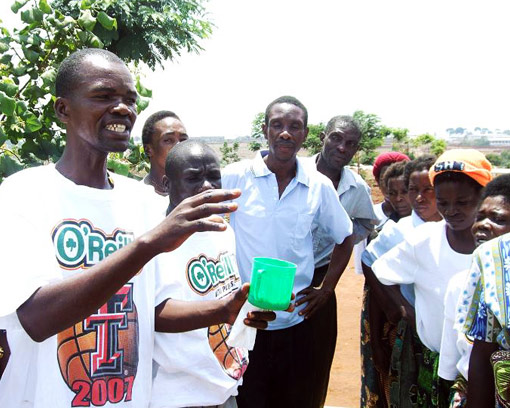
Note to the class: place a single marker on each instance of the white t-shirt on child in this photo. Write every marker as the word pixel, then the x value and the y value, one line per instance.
pixel 455 347
pixel 197 368
pixel 427 260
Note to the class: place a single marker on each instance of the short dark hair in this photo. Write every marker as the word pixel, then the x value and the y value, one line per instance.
pixel 286 99
pixel 500 186
pixel 395 170
pixel 423 162
pixel 347 123
pixel 69 71
pixel 176 158
pixel 148 127
pixel 457 177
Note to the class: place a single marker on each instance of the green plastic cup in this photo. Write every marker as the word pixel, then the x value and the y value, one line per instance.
pixel 271 284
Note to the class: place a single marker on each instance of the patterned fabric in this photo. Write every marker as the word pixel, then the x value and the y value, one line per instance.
pixel 372 393
pixel 404 368
pixel 500 361
pixel 393 382
pixel 458 393
pixel 433 391
pixel 483 311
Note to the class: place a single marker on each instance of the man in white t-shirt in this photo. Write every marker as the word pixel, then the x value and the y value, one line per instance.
pixel 78 288
pixel 282 198
pixel 197 368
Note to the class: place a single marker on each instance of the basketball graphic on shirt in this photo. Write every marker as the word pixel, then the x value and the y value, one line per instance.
pixel 234 361
pixel 98 357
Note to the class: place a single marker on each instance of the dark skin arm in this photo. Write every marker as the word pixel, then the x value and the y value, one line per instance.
pixel 481 375
pixel 317 297
pixel 176 316
pixel 55 307
pixel 389 297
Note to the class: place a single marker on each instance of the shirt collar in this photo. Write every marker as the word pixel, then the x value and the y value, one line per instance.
pixel 260 168
pixel 347 179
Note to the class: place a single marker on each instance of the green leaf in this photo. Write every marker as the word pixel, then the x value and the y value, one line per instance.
pixel 49 76
pixel 118 167
pixel 7 85
pixel 5 59
pixel 21 107
pixel 7 105
pixel 32 123
pixel 20 70
pixel 3 137
pixel 142 91
pixel 95 42
pixel 86 20
pixel 45 7
pixel 4 47
pixel 9 164
pixel 17 5
pixel 85 4
pixel 30 55
pixel 142 104
pixel 106 21
pixel 31 16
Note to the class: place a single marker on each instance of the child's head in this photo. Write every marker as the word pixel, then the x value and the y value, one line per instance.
pixel 458 177
pixel 381 164
pixel 493 215
pixel 393 180
pixel 420 191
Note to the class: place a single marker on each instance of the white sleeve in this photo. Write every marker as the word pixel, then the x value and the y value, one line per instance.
pixel 449 354
pixel 397 266
pixel 332 216
pixel 389 236
pixel 167 283
pixel 27 260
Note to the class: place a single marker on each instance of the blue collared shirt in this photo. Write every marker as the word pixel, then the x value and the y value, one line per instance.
pixel 354 195
pixel 280 227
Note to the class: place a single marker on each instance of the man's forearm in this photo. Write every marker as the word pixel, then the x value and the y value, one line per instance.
pixel 339 261
pixel 176 316
pixel 57 306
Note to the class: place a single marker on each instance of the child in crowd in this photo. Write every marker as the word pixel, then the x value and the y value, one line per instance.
pixel 482 306
pixel 384 209
pixel 373 328
pixel 433 254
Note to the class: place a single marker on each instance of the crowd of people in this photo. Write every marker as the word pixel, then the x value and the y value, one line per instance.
pixel 122 293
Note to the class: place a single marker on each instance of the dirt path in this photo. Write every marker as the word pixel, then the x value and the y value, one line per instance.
pixel 344 384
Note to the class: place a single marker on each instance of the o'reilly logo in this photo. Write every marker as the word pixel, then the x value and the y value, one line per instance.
pixel 205 274
pixel 79 244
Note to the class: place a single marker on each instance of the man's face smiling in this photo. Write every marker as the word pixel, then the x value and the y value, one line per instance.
pixel 100 110
pixel 285 132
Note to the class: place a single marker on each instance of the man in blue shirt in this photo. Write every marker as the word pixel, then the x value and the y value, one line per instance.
pixel 281 199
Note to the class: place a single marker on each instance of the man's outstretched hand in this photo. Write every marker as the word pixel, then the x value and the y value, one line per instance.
pixel 194 214
pixel 256 319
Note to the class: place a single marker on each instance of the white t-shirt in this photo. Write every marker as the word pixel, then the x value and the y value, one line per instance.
pixel 161 200
pixel 56 229
pixel 427 260
pixel 197 368
pixel 455 347
pixel 392 234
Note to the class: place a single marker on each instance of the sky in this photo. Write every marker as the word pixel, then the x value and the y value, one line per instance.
pixel 422 65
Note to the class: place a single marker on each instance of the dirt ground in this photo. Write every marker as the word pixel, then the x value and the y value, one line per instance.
pixel 344 383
